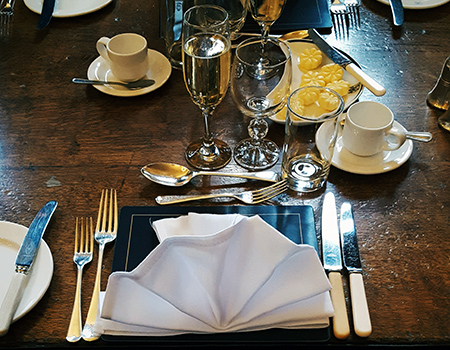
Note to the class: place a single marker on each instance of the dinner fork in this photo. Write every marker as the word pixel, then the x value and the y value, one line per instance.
pixel 84 248
pixel 340 15
pixel 6 14
pixel 105 232
pixel 248 197
pixel 353 7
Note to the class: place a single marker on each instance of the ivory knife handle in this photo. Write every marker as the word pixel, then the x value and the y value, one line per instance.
pixel 364 79
pixel 11 301
pixel 360 309
pixel 341 328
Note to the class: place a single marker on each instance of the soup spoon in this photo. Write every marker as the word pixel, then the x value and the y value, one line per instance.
pixel 176 175
pixel 133 85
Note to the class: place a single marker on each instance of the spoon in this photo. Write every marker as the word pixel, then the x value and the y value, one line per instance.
pixel 139 84
pixel 175 175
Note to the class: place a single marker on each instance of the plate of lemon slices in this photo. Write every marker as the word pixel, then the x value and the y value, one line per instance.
pixel 310 67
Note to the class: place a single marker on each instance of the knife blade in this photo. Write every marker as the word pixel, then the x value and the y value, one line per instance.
pixel 24 260
pixel 346 63
pixel 332 262
pixel 397 11
pixel 352 262
pixel 46 14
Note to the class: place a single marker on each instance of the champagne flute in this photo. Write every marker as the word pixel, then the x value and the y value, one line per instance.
pixel 259 98
pixel 206 70
pixel 265 13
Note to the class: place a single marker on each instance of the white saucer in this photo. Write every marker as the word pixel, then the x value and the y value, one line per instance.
pixel 419 4
pixel 69 8
pixel 297 46
pixel 11 237
pixel 160 70
pixel 377 164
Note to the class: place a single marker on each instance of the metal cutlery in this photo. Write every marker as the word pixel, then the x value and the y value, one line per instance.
pixel 6 16
pixel 84 250
pixel 332 262
pixel 133 85
pixel 397 12
pixel 353 7
pixel 352 262
pixel 340 16
pixel 24 261
pixel 105 232
pixel 46 14
pixel 248 197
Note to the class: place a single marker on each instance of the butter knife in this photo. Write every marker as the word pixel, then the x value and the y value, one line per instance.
pixel 352 262
pixel 46 14
pixel 24 260
pixel 397 11
pixel 332 262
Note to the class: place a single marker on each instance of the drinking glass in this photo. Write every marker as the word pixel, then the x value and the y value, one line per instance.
pixel 265 13
pixel 206 70
pixel 259 98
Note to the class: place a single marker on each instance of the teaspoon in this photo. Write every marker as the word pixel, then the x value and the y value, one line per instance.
pixel 175 175
pixel 139 84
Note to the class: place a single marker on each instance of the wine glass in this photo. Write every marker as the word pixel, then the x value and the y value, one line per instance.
pixel 206 69
pixel 265 13
pixel 260 98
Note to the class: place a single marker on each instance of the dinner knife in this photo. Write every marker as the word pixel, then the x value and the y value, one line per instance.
pixel 397 11
pixel 352 262
pixel 46 14
pixel 332 262
pixel 24 260
pixel 346 63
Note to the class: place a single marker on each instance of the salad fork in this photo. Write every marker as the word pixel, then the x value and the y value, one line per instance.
pixel 84 248
pixel 248 197
pixel 105 232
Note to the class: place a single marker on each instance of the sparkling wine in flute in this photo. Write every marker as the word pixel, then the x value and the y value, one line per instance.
pixel 266 11
pixel 207 61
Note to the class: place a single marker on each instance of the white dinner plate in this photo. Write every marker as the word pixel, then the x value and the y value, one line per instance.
pixel 377 164
pixel 160 70
pixel 69 8
pixel 11 237
pixel 297 46
pixel 419 4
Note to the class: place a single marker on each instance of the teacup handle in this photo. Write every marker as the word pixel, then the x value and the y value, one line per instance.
pixel 102 44
pixel 397 134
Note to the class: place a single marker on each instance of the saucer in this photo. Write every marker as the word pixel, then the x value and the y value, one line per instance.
pixel 419 4
pixel 69 8
pixel 11 237
pixel 160 70
pixel 377 164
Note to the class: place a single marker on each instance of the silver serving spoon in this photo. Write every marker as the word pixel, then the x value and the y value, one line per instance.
pixel 176 175
pixel 134 85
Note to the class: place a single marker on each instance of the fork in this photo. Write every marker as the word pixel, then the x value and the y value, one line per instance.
pixel 84 248
pixel 6 14
pixel 353 7
pixel 340 15
pixel 105 232
pixel 248 197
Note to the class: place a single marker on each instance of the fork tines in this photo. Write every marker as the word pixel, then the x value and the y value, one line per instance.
pixel 107 219
pixel 270 191
pixel 84 235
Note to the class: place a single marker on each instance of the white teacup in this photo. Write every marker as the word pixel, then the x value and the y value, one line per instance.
pixel 126 54
pixel 369 129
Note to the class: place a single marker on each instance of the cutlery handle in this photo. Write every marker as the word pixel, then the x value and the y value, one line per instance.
pixel 341 328
pixel 361 317
pixel 422 136
pixel 88 330
pixel 74 331
pixel 11 301
pixel 90 82
pixel 364 79
pixel 186 198
pixel 261 175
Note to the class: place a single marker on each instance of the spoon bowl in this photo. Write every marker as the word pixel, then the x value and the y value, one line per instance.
pixel 175 175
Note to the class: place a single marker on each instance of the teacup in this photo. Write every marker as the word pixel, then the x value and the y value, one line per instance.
pixel 369 129
pixel 126 54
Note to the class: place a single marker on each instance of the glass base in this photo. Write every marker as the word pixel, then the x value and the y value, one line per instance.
pixel 208 157
pixel 256 157
pixel 305 174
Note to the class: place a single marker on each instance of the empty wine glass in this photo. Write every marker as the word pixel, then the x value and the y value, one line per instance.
pixel 259 98
pixel 265 13
pixel 206 70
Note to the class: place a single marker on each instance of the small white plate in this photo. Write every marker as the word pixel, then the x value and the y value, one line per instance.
pixel 11 237
pixel 160 70
pixel 297 46
pixel 419 4
pixel 377 164
pixel 69 8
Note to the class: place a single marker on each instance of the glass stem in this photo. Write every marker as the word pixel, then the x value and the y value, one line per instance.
pixel 208 150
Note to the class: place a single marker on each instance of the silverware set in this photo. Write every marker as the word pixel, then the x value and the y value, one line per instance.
pixel 105 232
pixel 345 14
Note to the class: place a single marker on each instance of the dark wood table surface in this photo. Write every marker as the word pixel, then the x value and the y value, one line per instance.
pixel 53 131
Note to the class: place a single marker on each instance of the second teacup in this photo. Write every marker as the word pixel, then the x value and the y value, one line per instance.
pixel 369 129
pixel 126 54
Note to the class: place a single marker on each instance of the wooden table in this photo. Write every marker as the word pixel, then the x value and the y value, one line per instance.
pixel 56 132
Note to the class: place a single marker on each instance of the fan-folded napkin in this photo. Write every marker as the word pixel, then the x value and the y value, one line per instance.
pixel 217 273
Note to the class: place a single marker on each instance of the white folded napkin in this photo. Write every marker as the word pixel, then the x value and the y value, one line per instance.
pixel 245 277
